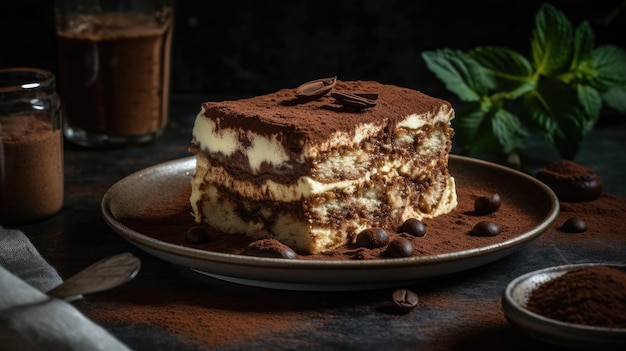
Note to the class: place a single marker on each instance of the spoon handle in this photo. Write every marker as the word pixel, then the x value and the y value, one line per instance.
pixel 102 275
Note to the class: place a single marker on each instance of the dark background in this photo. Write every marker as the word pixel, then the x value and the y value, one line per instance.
pixel 253 47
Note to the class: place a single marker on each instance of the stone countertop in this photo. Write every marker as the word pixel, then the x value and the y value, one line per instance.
pixel 456 313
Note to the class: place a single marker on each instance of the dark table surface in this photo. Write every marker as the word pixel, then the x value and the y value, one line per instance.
pixel 460 312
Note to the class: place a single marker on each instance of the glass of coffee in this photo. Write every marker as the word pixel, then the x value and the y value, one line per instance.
pixel 114 69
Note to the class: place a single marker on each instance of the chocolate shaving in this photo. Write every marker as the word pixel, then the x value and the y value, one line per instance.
pixel 316 88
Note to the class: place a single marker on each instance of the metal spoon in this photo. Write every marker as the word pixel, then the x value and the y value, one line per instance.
pixel 102 275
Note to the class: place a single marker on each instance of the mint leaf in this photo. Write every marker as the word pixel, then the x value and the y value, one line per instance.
pixel 551 43
pixel 483 126
pixel 562 87
pixel 591 103
pixel 568 136
pixel 616 98
pixel 556 114
pixel 510 71
pixel 609 65
pixel 472 128
pixel 584 40
pixel 508 130
pixel 460 73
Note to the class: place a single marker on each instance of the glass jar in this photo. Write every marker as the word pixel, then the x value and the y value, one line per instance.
pixel 31 152
pixel 114 69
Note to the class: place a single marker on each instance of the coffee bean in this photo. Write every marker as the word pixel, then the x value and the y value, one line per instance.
pixel 404 299
pixel 574 225
pixel 399 247
pixel 197 235
pixel 487 204
pixel 274 251
pixel 485 228
pixel 413 226
pixel 372 238
pixel 285 253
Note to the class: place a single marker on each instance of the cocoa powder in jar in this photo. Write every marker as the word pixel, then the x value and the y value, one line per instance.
pixel 31 146
pixel 31 169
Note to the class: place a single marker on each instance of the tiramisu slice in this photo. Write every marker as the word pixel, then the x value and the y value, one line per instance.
pixel 312 172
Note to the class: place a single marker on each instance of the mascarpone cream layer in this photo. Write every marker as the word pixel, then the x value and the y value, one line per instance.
pixel 270 150
pixel 323 228
pixel 343 171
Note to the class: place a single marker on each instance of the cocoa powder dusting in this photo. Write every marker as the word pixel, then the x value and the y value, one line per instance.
pixel 206 318
pixel 594 296
pixel 214 318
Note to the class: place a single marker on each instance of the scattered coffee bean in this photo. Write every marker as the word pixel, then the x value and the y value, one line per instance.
pixel 485 228
pixel 197 235
pixel 399 247
pixel 279 253
pixel 574 225
pixel 404 300
pixel 487 204
pixel 413 226
pixel 286 253
pixel 372 238
pixel 270 248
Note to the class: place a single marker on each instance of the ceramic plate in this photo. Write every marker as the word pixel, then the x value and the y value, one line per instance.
pixel 552 331
pixel 160 182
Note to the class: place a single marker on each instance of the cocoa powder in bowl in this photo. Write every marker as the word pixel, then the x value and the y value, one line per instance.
pixel 593 296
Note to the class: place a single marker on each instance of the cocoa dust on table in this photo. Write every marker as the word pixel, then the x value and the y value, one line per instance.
pixel 218 318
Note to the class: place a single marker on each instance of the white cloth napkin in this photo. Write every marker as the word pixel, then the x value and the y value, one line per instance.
pixel 30 319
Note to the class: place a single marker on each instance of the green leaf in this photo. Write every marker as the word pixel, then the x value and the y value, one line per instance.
pixel 562 87
pixel 591 103
pixel 551 43
pixel 616 98
pixel 461 74
pixel 584 40
pixel 472 128
pixel 508 130
pixel 556 113
pixel 483 126
pixel 567 137
pixel 510 71
pixel 609 67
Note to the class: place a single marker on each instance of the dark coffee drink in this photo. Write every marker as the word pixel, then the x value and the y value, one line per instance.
pixel 114 77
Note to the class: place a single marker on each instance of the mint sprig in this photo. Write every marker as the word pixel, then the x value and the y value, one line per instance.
pixel 557 92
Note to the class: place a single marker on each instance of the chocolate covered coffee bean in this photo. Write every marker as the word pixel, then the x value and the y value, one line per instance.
pixel 574 225
pixel 399 247
pixel 485 228
pixel 372 238
pixel 269 248
pixel 484 205
pixel 413 226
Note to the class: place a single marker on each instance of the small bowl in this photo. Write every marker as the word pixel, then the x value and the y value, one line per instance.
pixel 552 331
